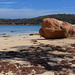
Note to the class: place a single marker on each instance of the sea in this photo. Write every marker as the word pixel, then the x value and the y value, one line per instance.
pixel 19 29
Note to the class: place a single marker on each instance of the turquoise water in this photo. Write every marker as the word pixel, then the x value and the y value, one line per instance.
pixel 19 29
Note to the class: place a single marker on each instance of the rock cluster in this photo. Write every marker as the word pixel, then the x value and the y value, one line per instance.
pixel 53 28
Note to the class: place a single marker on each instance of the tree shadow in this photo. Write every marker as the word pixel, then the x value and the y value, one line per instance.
pixel 37 55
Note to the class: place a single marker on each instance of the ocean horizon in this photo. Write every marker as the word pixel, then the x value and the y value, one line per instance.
pixel 19 29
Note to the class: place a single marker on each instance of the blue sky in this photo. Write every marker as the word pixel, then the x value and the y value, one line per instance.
pixel 35 8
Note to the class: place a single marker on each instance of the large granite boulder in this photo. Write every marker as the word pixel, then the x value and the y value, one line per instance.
pixel 53 28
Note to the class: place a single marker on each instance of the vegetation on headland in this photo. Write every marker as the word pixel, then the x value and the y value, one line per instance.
pixel 37 21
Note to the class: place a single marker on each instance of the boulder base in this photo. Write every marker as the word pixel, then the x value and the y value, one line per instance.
pixel 53 28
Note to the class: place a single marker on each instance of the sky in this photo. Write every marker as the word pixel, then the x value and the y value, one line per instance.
pixel 33 8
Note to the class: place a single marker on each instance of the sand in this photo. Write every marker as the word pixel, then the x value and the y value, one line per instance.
pixel 20 42
pixel 14 43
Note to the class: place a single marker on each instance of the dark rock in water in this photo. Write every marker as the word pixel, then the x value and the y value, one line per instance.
pixel 12 31
pixel 52 29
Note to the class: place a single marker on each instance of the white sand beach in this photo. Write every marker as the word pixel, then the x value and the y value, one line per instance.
pixel 14 43
pixel 17 44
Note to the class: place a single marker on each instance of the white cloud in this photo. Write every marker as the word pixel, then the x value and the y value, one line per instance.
pixel 7 2
pixel 28 13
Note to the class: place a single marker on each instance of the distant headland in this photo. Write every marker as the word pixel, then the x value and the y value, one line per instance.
pixel 37 20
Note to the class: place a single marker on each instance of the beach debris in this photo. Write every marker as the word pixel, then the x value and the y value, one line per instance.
pixel 6 36
pixel 39 59
pixel 4 49
pixel 53 29
pixel 73 45
pixel 7 68
pixel 30 34
pixel 34 34
pixel 33 40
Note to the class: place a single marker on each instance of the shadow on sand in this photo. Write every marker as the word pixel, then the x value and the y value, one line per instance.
pixel 45 56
